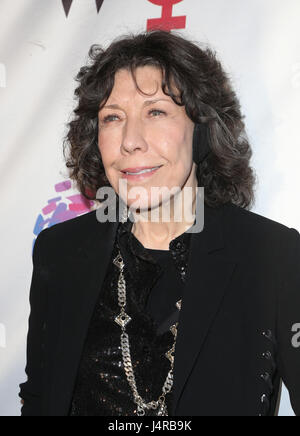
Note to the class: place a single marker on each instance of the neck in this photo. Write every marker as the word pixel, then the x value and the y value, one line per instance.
pixel 159 233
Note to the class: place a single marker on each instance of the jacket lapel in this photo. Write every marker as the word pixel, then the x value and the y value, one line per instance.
pixel 207 280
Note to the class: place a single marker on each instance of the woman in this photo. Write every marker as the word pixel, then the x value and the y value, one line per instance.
pixel 147 317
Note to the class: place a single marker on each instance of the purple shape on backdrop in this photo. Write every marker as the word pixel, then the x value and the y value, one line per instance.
pixel 62 213
pixel 63 186
pixel 48 209
pixel 51 206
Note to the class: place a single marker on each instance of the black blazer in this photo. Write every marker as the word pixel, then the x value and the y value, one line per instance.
pixel 237 335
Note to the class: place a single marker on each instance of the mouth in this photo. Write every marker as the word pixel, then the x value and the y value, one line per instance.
pixel 139 174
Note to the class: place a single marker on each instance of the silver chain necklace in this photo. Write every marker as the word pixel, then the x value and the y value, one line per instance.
pixel 122 320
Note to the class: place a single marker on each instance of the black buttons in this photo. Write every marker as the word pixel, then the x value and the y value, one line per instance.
pixel 267 355
pixel 265 401
pixel 177 245
pixel 267 378
pixel 268 335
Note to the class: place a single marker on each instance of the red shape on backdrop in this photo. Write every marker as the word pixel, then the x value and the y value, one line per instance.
pixel 68 3
pixel 166 21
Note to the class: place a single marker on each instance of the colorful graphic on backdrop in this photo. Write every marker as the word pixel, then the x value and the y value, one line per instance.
pixel 62 208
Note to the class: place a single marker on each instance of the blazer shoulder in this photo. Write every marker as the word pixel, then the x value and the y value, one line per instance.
pixel 79 224
pixel 243 218
pixel 63 238
pixel 254 236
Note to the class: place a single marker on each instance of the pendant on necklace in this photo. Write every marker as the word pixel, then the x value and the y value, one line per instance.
pixel 122 319
pixel 178 304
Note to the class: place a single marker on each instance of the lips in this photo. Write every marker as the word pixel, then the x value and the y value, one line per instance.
pixel 138 169
pixel 140 176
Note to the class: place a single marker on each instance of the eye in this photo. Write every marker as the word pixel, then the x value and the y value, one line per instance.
pixel 112 117
pixel 156 111
pixel 109 118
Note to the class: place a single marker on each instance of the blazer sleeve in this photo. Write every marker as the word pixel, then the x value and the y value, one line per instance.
pixel 31 390
pixel 288 322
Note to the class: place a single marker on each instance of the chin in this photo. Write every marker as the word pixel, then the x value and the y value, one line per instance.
pixel 142 206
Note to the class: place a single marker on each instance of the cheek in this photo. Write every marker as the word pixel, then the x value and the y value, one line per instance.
pixel 176 148
pixel 107 149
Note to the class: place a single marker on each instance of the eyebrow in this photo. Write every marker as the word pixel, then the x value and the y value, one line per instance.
pixel 146 103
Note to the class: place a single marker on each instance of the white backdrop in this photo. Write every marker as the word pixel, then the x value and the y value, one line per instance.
pixel 43 45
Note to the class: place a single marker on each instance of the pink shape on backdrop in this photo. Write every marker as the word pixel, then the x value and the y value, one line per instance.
pixel 63 186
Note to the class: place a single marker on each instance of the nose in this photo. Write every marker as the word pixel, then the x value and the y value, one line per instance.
pixel 133 137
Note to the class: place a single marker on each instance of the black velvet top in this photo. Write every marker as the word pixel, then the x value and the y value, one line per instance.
pixel 154 283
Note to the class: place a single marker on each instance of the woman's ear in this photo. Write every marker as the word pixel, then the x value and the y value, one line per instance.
pixel 200 143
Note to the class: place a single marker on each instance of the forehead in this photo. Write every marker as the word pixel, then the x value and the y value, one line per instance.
pixel 148 78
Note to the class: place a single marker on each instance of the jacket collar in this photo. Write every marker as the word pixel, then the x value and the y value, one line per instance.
pixel 105 233
pixel 135 254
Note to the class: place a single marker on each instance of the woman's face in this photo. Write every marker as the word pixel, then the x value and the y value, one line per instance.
pixel 137 130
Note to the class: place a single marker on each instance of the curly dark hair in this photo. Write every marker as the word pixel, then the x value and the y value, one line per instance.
pixel 205 91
